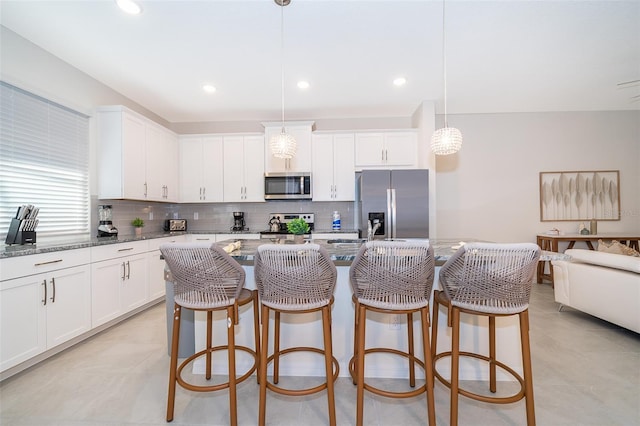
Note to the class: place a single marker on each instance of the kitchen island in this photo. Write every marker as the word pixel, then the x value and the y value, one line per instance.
pixel 383 330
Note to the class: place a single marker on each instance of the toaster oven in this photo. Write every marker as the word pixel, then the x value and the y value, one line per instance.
pixel 173 225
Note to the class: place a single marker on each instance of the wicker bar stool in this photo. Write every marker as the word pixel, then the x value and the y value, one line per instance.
pixel 392 277
pixel 207 279
pixel 492 280
pixel 295 279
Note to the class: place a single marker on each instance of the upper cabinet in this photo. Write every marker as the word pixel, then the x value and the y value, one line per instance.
pixel 386 149
pixel 136 157
pixel 243 168
pixel 333 167
pixel 201 169
pixel 301 131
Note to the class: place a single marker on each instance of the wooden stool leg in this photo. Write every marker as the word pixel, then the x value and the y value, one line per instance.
pixel 355 342
pixel 209 343
pixel 526 364
pixel 328 362
pixel 412 364
pixel 256 331
pixel 455 363
pixel 492 353
pixel 175 341
pixel 231 356
pixel 428 365
pixel 434 327
pixel 262 370
pixel 276 348
pixel 360 365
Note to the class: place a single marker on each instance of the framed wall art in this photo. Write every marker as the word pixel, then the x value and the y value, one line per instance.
pixel 580 195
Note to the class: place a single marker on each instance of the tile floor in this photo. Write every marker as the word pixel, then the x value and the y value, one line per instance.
pixel 586 372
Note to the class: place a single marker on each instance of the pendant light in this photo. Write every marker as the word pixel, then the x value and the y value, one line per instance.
pixel 283 145
pixel 447 140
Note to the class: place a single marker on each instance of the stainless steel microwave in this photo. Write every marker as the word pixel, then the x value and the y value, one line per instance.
pixel 287 186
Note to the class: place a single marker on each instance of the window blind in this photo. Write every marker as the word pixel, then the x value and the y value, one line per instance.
pixel 44 161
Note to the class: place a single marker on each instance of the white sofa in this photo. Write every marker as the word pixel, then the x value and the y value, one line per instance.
pixel 601 284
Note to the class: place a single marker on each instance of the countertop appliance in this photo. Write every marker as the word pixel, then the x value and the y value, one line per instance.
pixel 396 200
pixel 278 224
pixel 238 222
pixel 174 225
pixel 287 186
pixel 106 228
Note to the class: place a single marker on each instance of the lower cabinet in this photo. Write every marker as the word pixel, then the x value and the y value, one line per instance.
pixel 41 311
pixel 119 285
pixel 157 286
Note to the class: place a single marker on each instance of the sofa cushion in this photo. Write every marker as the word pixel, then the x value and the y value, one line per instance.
pixel 618 261
pixel 617 247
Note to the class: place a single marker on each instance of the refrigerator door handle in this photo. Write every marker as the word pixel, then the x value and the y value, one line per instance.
pixel 393 214
pixel 389 218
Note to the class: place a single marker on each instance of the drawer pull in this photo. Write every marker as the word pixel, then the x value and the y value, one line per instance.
pixel 126 249
pixel 48 263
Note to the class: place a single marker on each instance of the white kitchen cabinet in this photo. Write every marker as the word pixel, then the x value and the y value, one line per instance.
pixel 43 310
pixel 301 131
pixel 156 265
pixel 136 157
pixel 161 163
pixel 119 280
pixel 201 169
pixel 243 168
pixel 333 167
pixel 386 149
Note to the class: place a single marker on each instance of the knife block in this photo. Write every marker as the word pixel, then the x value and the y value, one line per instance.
pixel 16 236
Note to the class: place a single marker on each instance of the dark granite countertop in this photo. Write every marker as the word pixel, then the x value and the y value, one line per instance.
pixel 48 246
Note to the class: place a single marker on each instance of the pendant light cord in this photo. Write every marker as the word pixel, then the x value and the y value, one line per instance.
pixel 282 60
pixel 444 62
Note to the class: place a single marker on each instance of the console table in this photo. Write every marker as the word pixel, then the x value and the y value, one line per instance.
pixel 550 242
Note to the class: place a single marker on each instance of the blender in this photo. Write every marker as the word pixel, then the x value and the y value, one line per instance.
pixel 106 228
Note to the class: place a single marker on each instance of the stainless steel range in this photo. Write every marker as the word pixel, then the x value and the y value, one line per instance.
pixel 277 226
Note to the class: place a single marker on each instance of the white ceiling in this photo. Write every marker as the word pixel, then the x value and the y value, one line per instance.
pixel 502 56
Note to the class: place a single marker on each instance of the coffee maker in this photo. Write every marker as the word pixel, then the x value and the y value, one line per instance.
pixel 238 222
pixel 106 228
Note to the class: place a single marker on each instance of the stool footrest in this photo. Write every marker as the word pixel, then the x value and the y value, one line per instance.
pixel 382 392
pixel 225 385
pixel 483 398
pixel 307 391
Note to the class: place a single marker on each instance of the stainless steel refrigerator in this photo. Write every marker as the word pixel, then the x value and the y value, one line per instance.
pixel 399 199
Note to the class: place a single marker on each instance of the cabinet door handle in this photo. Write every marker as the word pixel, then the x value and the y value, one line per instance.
pixel 126 249
pixel 145 189
pixel 204 193
pixel 53 286
pixel 128 270
pixel 124 271
pixel 47 263
pixel 44 284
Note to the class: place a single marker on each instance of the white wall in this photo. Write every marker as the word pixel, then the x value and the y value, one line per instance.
pixel 490 189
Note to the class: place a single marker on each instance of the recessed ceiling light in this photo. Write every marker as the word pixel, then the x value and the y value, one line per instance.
pixel 400 81
pixel 303 84
pixel 129 6
pixel 208 88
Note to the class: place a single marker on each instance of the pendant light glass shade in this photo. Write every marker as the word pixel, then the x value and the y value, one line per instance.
pixel 445 141
pixel 282 145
